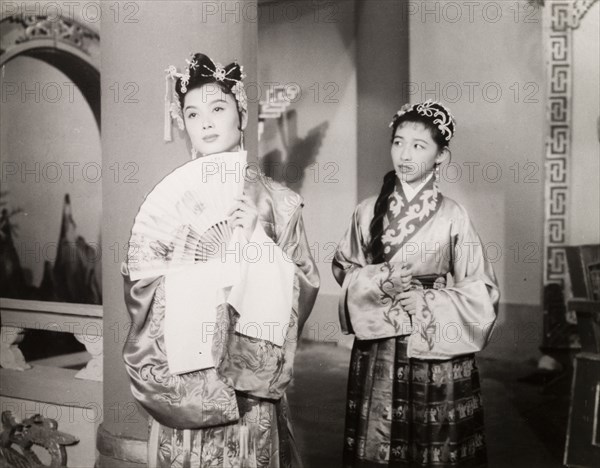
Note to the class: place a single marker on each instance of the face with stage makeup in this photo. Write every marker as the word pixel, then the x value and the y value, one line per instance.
pixel 212 120
pixel 415 153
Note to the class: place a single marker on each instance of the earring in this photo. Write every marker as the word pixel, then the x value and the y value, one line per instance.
pixel 194 153
pixel 242 141
pixel 436 176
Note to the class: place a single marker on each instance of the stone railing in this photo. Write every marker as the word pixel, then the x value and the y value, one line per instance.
pixel 66 388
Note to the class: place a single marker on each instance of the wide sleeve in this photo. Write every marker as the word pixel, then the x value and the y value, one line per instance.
pixel 138 297
pixel 188 401
pixel 259 367
pixel 294 243
pixel 368 305
pixel 461 317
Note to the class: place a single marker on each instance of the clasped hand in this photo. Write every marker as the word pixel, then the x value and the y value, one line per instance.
pixel 412 301
pixel 244 214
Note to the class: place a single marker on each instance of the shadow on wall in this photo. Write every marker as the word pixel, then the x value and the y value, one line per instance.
pixel 290 168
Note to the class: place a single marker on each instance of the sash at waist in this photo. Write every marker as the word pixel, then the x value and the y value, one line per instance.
pixel 433 281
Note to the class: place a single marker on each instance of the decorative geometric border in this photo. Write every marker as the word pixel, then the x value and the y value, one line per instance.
pixel 558 35
pixel 561 17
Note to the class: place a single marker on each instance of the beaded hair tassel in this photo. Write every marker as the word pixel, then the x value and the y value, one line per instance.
pixel 172 107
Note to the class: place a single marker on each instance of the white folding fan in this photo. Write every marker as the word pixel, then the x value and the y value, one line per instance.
pixel 183 220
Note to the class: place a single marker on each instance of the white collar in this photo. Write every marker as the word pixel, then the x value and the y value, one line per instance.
pixel 410 192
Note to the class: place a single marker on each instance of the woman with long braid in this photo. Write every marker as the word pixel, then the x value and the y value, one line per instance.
pixel 420 297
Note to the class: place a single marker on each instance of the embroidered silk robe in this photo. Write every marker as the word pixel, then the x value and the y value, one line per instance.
pixel 413 392
pixel 234 414
pixel 462 314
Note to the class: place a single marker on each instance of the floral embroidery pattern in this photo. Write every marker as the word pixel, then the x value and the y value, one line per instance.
pixel 406 219
pixel 427 328
pixel 260 358
pixel 396 203
pixel 389 295
pixel 245 443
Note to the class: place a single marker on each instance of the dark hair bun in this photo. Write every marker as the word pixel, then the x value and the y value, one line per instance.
pixel 202 70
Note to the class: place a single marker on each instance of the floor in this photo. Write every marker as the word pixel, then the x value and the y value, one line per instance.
pixel 525 422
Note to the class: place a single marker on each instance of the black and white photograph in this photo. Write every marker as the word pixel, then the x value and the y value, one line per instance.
pixel 300 233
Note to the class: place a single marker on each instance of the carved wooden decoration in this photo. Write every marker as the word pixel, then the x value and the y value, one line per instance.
pixel 36 430
pixel 22 29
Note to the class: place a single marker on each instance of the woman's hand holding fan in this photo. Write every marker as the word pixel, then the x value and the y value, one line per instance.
pixel 244 214
pixel 184 219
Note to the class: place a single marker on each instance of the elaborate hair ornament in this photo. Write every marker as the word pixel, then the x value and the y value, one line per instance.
pixel 173 106
pixel 219 73
pixel 441 115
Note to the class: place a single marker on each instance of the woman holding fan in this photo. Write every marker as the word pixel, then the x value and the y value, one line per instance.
pixel 235 412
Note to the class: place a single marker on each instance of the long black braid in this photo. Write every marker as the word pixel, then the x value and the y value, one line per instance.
pixel 375 247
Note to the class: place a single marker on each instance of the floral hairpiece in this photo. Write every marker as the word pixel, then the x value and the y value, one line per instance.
pixel 442 117
pixel 173 109
pixel 219 73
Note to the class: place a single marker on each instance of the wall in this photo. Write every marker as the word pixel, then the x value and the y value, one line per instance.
pixel 455 48
pixel 585 158
pixel 313 46
pixel 500 138
pixel 134 61
pixel 382 69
